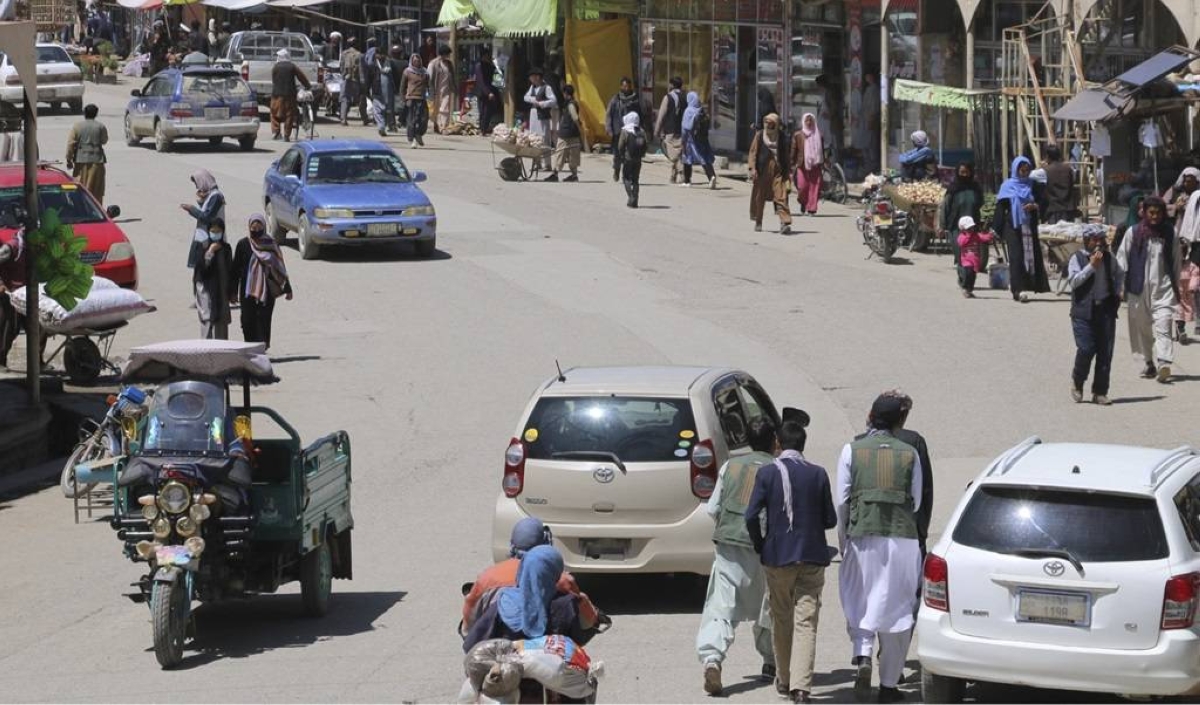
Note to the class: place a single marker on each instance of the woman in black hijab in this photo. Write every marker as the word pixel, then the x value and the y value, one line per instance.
pixel 963 197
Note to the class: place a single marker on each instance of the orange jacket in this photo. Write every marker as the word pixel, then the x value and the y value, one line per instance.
pixel 504 574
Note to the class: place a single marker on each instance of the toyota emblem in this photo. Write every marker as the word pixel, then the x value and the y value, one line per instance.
pixel 1054 568
pixel 604 475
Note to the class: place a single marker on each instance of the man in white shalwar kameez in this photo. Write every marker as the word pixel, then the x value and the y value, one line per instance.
pixel 1146 269
pixel 878 493
pixel 542 106
pixel 737 587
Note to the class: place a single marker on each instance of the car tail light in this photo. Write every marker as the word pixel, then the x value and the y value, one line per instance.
pixel 514 468
pixel 1179 601
pixel 883 207
pixel 249 109
pixel 937 583
pixel 180 110
pixel 703 469
pixel 13 79
pixel 245 71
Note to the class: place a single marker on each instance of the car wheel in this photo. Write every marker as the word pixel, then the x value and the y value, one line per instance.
pixel 161 143
pixel 131 137
pixel 246 143
pixel 276 230
pixel 215 141
pixel 941 689
pixel 426 248
pixel 76 106
pixel 309 249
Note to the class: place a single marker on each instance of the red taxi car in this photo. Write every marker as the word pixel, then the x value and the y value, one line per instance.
pixel 108 250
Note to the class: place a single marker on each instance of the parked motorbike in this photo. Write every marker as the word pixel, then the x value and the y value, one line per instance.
pixel 333 90
pixel 883 227
pixel 104 440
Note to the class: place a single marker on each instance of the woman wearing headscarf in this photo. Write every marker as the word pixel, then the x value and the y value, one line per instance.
pixel 769 174
pixel 209 207
pixel 1147 266
pixel 808 153
pixel 631 145
pixel 915 162
pixel 1017 222
pixel 212 282
pixel 696 149
pixel 532 609
pixel 415 86
pixel 261 277
pixel 963 198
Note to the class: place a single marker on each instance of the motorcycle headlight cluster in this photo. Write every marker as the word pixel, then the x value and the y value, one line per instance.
pixel 149 512
pixel 174 498
pixel 161 528
pixel 186 526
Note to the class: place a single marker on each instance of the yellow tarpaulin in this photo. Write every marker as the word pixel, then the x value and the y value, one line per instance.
pixel 598 54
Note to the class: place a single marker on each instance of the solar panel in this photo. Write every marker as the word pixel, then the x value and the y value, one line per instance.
pixel 1155 68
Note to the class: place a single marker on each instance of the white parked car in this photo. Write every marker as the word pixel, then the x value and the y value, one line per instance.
pixel 59 80
pixel 618 462
pixel 1068 566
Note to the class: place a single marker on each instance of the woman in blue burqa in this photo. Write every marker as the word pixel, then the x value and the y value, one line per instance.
pixel 1016 221
pixel 532 609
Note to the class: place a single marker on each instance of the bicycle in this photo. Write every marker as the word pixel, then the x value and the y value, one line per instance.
pixel 304 103
pixel 833 181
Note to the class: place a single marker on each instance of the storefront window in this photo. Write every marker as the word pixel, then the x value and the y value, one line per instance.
pixel 748 10
pixel 723 105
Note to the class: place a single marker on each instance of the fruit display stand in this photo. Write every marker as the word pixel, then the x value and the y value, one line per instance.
pixel 921 200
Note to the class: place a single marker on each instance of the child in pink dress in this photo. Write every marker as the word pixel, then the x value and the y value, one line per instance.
pixel 970 242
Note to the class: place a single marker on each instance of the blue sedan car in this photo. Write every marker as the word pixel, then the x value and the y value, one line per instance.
pixel 347 192
pixel 197 102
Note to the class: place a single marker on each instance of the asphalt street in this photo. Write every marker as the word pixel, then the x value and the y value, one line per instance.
pixel 427 364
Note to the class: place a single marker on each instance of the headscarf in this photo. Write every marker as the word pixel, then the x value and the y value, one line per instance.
pixel 283 55
pixel 962 184
pixel 525 609
pixel 919 139
pixel 771 130
pixel 528 533
pixel 266 264
pixel 631 122
pixel 1189 221
pixel 1018 191
pixel 814 149
pixel 693 110
pixel 1132 219
pixel 205 182
pixel 1189 171
pixel 415 66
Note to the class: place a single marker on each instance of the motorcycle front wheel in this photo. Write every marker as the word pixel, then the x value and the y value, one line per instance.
pixel 86 451
pixel 887 246
pixel 168 612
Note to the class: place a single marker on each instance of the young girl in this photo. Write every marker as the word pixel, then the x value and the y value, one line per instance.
pixel 212 280
pixel 970 244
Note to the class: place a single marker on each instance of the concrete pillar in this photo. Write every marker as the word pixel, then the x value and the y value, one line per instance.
pixel 970 82
pixel 885 82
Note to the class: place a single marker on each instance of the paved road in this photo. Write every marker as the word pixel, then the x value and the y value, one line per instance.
pixel 427 364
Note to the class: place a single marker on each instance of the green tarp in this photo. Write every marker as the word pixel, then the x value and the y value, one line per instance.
pixel 936 96
pixel 505 18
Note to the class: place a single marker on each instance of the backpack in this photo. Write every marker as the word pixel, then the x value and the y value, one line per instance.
pixel 701 126
pixel 635 144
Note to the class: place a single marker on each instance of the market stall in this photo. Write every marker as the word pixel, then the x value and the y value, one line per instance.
pixel 983 124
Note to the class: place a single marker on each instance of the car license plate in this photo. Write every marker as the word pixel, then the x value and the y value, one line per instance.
pixel 883 221
pixel 605 549
pixel 1052 607
pixel 377 229
pixel 216 113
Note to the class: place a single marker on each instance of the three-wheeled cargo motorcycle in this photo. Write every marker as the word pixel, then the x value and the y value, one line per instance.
pixel 213 510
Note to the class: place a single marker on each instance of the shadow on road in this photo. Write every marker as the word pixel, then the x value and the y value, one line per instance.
pixel 294 358
pixel 646 594
pixel 268 622
pixel 379 252
pixel 1137 400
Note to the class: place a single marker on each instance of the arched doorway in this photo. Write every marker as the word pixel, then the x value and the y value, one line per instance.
pixel 1116 35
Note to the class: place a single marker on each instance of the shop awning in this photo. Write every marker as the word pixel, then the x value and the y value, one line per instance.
pixel 936 96
pixel 296 3
pixel 1092 105
pixel 505 18
pixel 140 4
pixel 235 4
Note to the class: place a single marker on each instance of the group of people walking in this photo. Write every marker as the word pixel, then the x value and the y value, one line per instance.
pixel 773 576
pixel 252 275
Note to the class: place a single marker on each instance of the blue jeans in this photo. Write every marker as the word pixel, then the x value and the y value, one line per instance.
pixel 1094 339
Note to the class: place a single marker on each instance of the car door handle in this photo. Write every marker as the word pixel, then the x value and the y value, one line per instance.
pixel 604 507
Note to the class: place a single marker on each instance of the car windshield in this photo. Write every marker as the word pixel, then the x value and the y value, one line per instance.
pixel 225 86
pixel 187 417
pixel 356 167
pixel 1090 526
pixel 52 55
pixel 634 429
pixel 73 204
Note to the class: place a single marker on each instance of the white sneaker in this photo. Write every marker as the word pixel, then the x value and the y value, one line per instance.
pixel 1024 297
pixel 412 143
pixel 712 183
pixel 685 184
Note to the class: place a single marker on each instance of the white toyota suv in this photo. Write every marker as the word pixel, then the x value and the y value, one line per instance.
pixel 618 462
pixel 1068 566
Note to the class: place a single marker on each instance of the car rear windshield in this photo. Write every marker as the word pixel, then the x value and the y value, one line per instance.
pixel 72 203
pixel 220 86
pixel 52 55
pixel 635 429
pixel 356 167
pixel 262 47
pixel 1093 527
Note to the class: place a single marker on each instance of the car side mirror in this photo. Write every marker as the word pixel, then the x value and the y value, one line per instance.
pixel 135 93
pixel 113 211
pixel 419 176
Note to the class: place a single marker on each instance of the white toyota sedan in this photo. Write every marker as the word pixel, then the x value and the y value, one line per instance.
pixel 59 80
pixel 619 461
pixel 1068 566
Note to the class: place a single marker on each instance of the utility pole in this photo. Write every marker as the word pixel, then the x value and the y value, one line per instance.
pixel 33 333
pixel 885 82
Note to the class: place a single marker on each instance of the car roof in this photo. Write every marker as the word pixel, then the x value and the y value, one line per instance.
pixel 1088 466
pixel 651 380
pixel 13 174
pixel 205 68
pixel 325 146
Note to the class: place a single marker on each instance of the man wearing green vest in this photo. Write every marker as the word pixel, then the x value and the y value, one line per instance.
pixel 878 494
pixel 736 586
